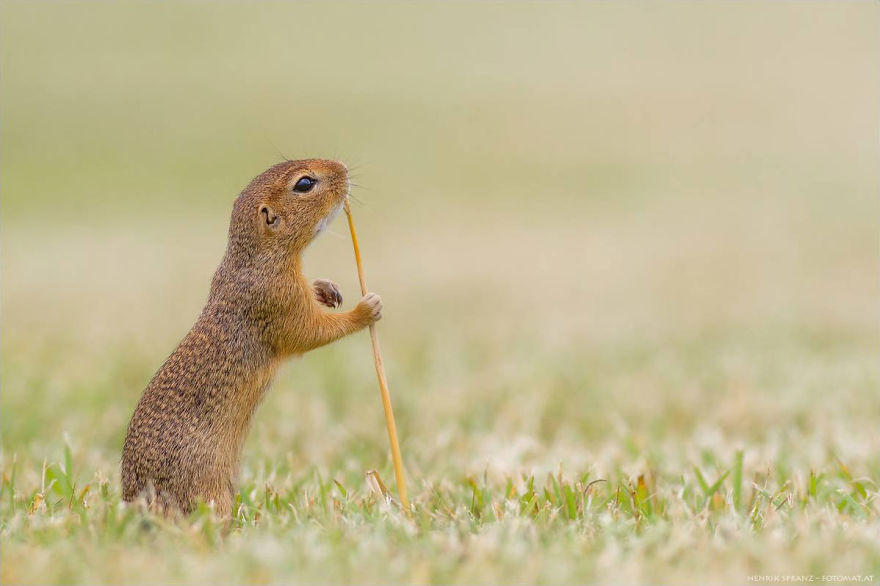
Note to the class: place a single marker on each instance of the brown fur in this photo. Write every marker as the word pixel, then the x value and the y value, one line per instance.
pixel 184 441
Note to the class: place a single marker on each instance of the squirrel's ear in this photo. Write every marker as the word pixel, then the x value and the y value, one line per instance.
pixel 269 218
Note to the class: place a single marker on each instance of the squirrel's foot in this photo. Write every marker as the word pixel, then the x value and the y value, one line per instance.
pixel 371 308
pixel 327 293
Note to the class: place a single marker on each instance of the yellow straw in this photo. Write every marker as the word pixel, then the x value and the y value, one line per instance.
pixel 380 372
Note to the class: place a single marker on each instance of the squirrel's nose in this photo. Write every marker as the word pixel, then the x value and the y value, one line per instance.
pixel 339 167
pixel 337 170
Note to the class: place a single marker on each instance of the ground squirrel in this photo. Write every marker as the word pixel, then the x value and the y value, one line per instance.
pixel 184 441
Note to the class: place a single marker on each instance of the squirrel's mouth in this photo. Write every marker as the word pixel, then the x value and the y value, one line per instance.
pixel 325 221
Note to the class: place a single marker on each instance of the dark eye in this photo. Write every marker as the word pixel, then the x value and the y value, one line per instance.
pixel 304 184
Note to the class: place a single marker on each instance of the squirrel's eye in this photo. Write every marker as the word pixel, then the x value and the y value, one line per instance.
pixel 304 184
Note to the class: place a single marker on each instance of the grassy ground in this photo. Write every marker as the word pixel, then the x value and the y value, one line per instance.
pixel 628 256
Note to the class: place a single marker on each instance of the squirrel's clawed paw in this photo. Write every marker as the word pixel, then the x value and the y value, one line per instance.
pixel 327 293
pixel 372 304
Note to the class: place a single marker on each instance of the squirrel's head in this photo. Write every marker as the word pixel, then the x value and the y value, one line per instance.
pixel 286 206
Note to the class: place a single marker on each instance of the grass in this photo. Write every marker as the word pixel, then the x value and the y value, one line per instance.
pixel 627 254
pixel 559 527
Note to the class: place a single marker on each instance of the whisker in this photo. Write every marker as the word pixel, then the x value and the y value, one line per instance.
pixel 278 151
pixel 331 232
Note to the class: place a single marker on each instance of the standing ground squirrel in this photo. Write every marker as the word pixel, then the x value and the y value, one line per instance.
pixel 185 438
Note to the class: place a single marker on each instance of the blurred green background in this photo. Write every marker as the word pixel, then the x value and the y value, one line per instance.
pixel 603 233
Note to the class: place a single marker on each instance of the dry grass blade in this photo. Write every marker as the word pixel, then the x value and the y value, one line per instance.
pixel 374 481
pixel 380 373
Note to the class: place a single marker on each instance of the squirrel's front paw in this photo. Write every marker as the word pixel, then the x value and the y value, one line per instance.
pixel 371 307
pixel 327 293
